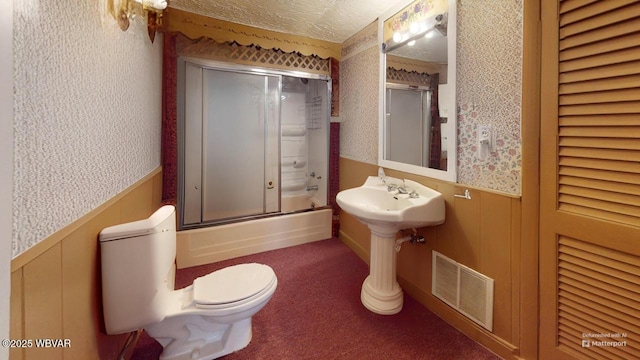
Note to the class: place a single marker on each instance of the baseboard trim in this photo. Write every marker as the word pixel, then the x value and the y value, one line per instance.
pixel 495 344
pixel 354 246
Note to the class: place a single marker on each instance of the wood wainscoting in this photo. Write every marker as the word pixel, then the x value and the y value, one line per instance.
pixel 56 286
pixel 482 233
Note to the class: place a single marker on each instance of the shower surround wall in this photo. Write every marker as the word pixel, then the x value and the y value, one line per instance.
pixel 304 144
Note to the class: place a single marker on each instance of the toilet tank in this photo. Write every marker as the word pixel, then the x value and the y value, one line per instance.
pixel 138 271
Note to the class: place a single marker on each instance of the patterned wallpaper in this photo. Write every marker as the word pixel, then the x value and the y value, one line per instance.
pixel 500 170
pixel 87 112
pixel 359 69
pixel 489 65
pixel 489 70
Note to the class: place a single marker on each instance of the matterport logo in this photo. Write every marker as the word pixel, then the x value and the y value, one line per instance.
pixel 604 340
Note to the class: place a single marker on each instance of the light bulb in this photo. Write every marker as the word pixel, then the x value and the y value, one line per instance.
pixel 413 28
pixel 397 37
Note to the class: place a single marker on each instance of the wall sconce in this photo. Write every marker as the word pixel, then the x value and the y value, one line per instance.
pixel 126 10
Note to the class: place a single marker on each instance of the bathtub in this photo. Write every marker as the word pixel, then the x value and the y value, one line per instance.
pixel 298 202
pixel 211 244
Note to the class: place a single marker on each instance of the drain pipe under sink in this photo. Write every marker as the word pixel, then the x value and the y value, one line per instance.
pixel 413 238
pixel 402 240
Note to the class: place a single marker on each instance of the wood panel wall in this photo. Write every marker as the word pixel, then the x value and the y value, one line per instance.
pixel 482 233
pixel 56 287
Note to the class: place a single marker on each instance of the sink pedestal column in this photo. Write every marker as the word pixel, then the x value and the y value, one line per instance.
pixel 381 293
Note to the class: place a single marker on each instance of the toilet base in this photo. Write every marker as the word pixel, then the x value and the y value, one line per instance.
pixel 198 338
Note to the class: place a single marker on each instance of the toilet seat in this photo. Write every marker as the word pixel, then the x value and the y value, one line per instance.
pixel 232 286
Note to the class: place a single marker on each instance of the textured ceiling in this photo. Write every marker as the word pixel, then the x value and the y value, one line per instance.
pixel 331 20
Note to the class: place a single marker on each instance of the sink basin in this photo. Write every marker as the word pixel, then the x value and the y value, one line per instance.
pixel 385 213
pixel 373 204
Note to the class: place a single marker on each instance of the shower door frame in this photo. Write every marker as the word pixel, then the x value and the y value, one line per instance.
pixel 426 122
pixel 182 104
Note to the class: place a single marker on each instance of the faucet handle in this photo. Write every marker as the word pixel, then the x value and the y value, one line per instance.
pixel 392 187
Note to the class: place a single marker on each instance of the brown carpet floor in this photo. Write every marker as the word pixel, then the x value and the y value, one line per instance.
pixel 316 313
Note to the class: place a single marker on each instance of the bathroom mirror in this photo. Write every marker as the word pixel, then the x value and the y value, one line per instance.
pixel 417 126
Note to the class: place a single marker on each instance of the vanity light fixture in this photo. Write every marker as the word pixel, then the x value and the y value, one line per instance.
pixel 416 31
pixel 126 10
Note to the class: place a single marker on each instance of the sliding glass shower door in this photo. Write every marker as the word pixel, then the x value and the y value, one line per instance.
pixel 237 174
pixel 408 125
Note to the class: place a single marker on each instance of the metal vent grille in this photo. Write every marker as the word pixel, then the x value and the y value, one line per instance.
pixel 473 300
pixel 445 279
pixel 464 289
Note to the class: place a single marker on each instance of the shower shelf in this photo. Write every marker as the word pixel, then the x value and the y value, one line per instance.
pixel 314 108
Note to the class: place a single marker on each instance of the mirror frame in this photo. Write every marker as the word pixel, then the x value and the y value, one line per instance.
pixel 450 130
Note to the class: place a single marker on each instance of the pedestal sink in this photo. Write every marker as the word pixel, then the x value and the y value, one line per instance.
pixel 385 210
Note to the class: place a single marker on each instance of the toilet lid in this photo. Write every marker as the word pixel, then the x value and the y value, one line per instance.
pixel 231 284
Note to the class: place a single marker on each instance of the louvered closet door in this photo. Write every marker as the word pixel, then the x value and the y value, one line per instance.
pixel 590 182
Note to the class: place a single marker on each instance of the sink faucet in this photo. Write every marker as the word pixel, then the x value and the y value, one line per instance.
pixel 403 189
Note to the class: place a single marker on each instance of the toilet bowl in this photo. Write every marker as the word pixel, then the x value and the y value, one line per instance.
pixel 205 320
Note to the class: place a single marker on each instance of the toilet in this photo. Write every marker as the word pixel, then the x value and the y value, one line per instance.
pixel 206 320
